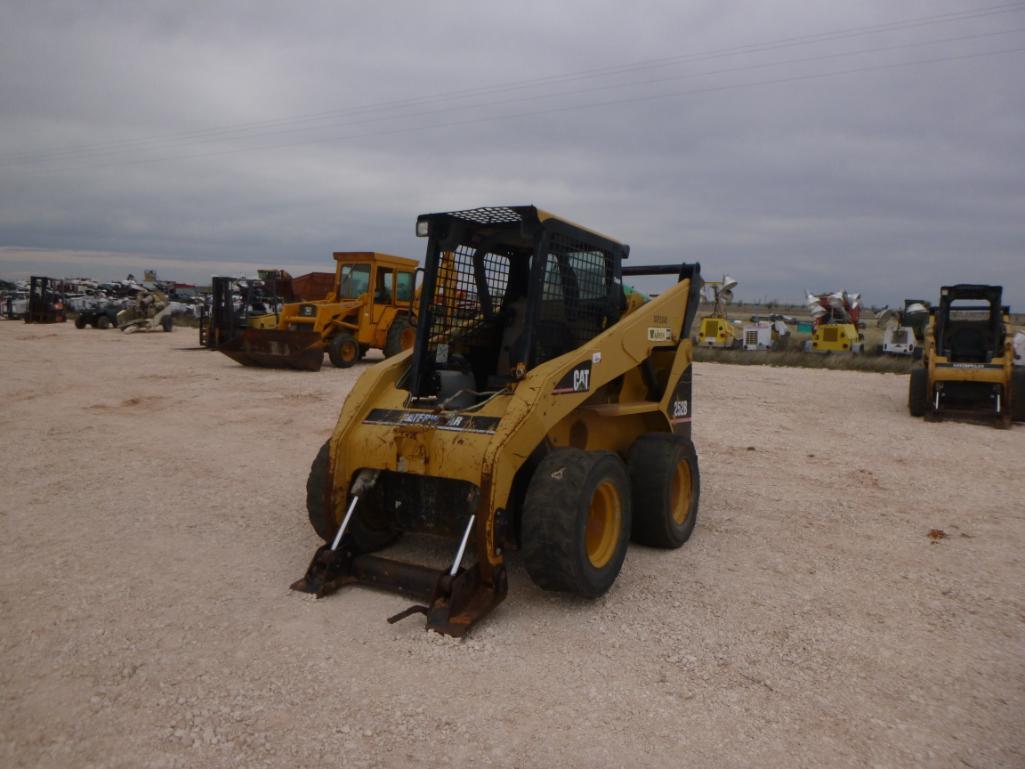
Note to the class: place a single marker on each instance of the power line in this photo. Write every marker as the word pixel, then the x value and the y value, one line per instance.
pixel 567 108
pixel 217 133
pixel 656 81
pixel 653 81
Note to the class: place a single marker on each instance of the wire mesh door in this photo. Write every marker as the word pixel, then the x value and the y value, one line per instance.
pixel 575 303
pixel 468 293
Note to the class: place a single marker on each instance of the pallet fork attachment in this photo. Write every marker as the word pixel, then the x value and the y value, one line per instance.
pixel 455 599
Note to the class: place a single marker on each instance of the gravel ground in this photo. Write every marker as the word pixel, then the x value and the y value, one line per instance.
pixel 152 512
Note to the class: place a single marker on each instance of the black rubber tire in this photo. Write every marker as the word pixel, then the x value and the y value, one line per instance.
pixel 554 522
pixel 103 322
pixel 320 507
pixel 167 323
pixel 653 461
pixel 338 355
pixel 80 322
pixel 918 397
pixel 399 326
pixel 1018 395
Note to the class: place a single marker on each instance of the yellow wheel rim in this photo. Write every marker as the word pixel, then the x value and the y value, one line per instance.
pixel 604 521
pixel 682 488
pixel 349 352
pixel 407 337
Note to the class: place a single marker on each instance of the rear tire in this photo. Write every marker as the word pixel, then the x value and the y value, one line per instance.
pixel 167 323
pixel 343 350
pixel 576 521
pixel 401 336
pixel 80 322
pixel 918 397
pixel 103 322
pixel 666 487
pixel 1018 395
pixel 364 537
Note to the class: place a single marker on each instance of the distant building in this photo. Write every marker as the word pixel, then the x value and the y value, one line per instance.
pixel 313 285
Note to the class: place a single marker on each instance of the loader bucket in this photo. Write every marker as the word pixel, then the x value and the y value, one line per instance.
pixel 302 350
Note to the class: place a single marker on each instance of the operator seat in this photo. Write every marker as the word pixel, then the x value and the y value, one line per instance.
pixel 510 351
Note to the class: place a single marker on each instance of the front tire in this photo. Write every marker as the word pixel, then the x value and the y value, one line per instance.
pixel 666 487
pixel 576 521
pixel 103 322
pixel 365 536
pixel 918 395
pixel 343 350
pixel 80 322
pixel 167 323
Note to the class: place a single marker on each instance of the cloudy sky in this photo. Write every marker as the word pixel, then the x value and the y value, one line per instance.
pixel 873 146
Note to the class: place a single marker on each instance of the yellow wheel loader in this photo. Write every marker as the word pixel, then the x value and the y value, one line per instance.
pixel 543 407
pixel 968 365
pixel 371 306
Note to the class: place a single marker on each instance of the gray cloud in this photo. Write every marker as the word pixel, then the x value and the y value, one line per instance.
pixel 888 180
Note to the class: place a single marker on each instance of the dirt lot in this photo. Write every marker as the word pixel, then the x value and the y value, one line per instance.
pixel 152 517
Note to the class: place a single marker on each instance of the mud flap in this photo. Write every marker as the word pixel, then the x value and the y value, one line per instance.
pixel 300 350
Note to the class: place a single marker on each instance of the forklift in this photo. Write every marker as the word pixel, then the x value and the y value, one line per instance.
pixel 45 304
pixel 222 323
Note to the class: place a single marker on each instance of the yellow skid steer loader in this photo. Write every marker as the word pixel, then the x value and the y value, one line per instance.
pixel 542 407
pixel 968 366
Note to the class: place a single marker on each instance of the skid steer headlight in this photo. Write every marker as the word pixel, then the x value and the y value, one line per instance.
pixel 423 229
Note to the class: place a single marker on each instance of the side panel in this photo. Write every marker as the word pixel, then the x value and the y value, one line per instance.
pixel 536 408
pixel 680 405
